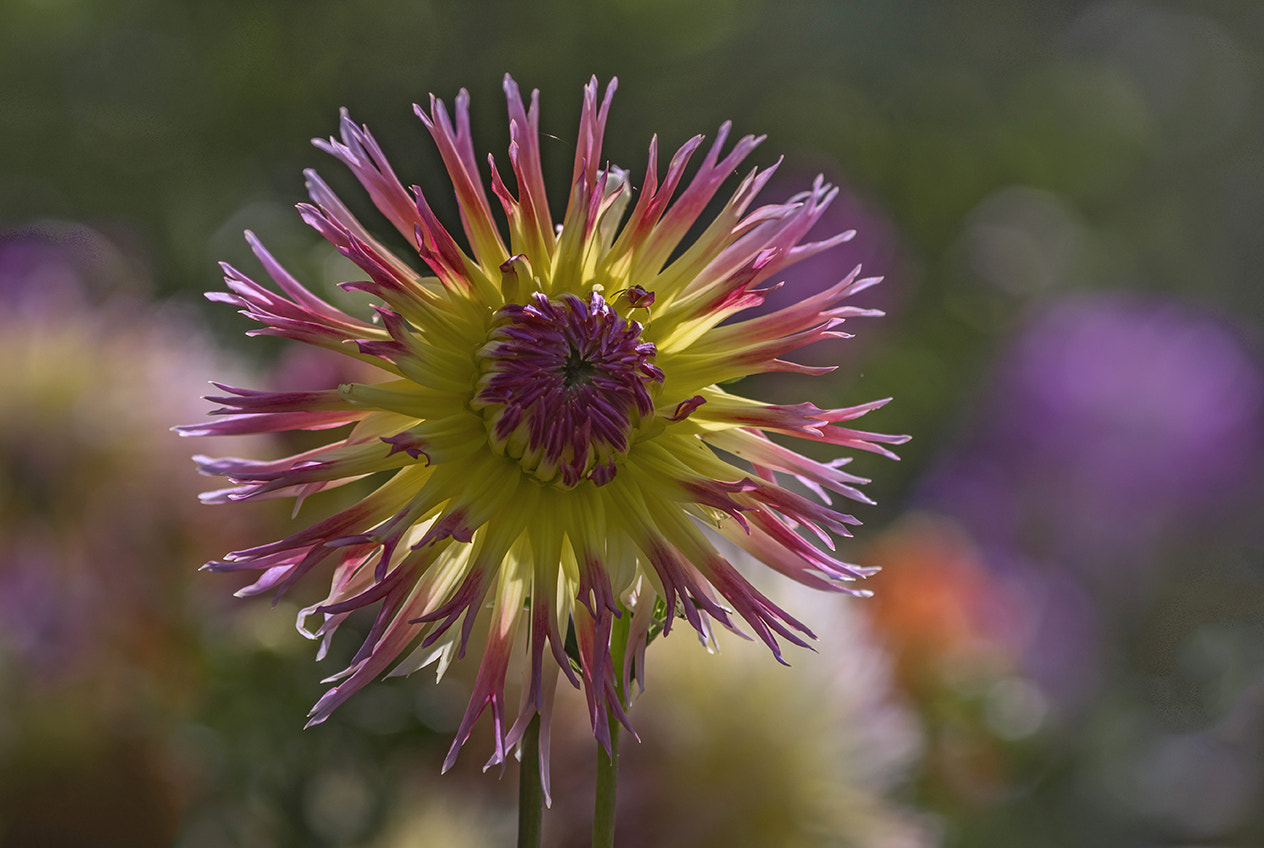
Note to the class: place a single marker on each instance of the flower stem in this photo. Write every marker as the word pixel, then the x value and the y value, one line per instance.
pixel 607 779
pixel 530 789
pixel 608 764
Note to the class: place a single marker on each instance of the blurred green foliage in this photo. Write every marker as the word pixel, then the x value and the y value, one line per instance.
pixel 175 126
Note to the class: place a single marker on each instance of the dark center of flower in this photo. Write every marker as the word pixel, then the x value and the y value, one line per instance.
pixel 563 384
pixel 576 370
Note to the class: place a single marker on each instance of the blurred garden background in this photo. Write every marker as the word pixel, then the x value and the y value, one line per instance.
pixel 1066 200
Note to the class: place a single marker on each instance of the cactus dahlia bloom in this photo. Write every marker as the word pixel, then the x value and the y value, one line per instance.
pixel 550 434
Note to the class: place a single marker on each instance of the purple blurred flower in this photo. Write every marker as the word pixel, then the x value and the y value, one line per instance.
pixel 98 624
pixel 54 266
pixel 93 491
pixel 1115 426
pixel 1114 423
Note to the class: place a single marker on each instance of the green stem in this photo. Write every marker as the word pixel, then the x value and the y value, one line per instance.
pixel 608 765
pixel 607 779
pixel 530 789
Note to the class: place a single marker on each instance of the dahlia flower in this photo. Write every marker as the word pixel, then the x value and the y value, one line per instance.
pixel 551 432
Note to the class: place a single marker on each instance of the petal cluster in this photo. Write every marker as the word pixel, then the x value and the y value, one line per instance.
pixel 562 386
pixel 550 436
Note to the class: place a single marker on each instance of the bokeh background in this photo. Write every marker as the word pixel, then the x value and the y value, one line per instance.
pixel 1066 199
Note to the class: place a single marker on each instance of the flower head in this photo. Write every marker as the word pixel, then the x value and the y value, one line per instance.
pixel 550 434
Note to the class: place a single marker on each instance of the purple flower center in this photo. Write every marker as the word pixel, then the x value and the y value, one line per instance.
pixel 563 384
